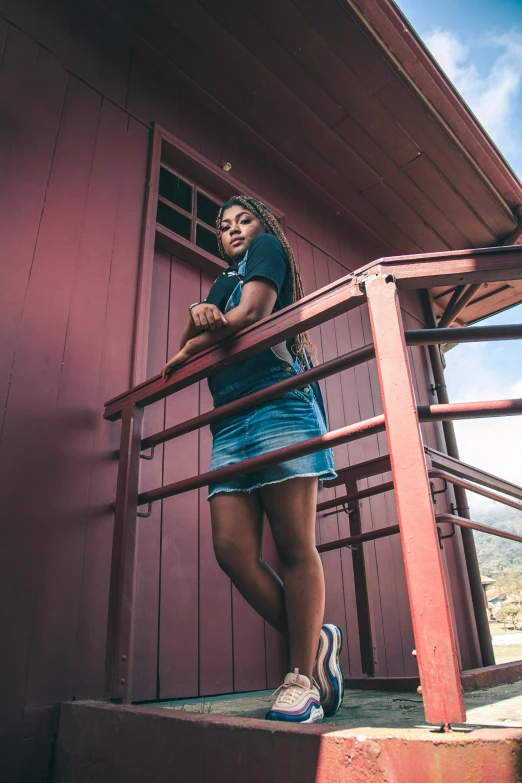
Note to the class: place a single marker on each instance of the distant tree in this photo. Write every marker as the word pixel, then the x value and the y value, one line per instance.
pixel 509 612
pixel 509 585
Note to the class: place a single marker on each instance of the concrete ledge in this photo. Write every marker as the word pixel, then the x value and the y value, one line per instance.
pixel 488 676
pixel 106 743
pixel 472 679
pixel 382 683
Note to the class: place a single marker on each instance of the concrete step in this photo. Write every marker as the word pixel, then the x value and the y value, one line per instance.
pixel 109 743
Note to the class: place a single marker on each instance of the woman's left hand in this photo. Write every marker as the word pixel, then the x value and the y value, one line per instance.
pixel 179 358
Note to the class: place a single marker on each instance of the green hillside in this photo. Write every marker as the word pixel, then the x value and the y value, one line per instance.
pixel 498 554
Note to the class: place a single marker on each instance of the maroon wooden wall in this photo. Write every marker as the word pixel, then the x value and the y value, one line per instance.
pixel 77 101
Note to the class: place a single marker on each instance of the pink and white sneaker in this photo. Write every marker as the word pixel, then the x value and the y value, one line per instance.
pixel 327 671
pixel 298 701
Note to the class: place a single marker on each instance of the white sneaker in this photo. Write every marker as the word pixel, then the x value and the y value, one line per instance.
pixel 297 701
pixel 327 671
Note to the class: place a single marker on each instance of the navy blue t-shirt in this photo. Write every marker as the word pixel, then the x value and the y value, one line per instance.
pixel 266 258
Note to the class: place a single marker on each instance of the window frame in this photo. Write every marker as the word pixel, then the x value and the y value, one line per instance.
pixel 168 150
pixel 192 216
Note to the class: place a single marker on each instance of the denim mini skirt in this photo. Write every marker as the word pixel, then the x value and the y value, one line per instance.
pixel 292 418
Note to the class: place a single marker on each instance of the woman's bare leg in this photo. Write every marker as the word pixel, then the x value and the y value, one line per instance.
pixel 237 528
pixel 291 509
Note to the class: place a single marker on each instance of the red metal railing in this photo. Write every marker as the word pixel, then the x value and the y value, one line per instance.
pixel 376 284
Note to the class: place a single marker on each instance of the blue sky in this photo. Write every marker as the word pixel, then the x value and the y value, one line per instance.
pixel 478 43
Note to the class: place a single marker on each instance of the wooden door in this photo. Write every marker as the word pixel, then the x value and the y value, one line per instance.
pixel 194 634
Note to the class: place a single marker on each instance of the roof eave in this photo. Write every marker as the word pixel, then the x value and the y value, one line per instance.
pixel 390 28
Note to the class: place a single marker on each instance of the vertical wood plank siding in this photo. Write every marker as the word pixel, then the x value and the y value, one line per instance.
pixel 77 101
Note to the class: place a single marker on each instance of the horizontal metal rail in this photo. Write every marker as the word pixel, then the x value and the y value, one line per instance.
pixel 462 410
pixel 471 473
pixel 460 482
pixel 450 268
pixel 351 496
pixel 329 440
pixel 338 364
pixel 361 538
pixel 383 532
pixel 432 473
pixel 470 410
pixel 461 522
pixel 463 334
pixel 316 308
pixel 320 306
pixel 361 470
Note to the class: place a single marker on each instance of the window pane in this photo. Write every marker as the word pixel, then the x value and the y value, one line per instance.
pixel 174 220
pixel 207 240
pixel 175 189
pixel 207 209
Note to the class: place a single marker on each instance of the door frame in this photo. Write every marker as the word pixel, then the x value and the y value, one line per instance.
pixel 167 148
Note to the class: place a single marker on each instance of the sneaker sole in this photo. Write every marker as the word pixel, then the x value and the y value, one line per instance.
pixel 316 716
pixel 329 672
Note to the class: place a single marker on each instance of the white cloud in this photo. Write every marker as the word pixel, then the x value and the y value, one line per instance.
pixel 490 92
pixel 495 445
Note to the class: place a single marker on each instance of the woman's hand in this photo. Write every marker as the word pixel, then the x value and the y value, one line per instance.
pixel 207 317
pixel 179 358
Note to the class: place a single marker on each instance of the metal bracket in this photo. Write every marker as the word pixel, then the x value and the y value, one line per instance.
pixel 343 508
pixel 147 513
pixel 441 537
pixel 148 456
pixel 438 491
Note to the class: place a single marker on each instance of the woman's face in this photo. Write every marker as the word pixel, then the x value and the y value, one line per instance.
pixel 238 229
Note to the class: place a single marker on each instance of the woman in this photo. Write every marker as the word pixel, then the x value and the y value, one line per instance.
pixel 263 278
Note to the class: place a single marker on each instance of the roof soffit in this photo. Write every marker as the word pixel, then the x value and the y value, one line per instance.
pixel 335 109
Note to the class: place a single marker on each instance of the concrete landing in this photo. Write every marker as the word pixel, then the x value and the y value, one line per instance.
pixel 376 737
pixel 498 706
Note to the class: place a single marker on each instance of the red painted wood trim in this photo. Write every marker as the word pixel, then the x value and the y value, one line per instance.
pixel 435 644
pixel 144 293
pixel 122 595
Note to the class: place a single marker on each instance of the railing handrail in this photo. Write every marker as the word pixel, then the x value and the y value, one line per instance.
pixel 424 270
pixel 376 284
pixel 469 472
pixel 316 308
pixel 412 271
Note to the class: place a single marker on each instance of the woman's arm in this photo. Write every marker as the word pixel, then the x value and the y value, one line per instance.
pixel 257 301
pixel 191 330
pixel 204 317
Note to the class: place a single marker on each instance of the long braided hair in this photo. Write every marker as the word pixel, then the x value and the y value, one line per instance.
pixel 302 347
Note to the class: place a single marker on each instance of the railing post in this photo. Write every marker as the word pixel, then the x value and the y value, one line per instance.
pixel 122 596
pixel 432 628
pixel 360 584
